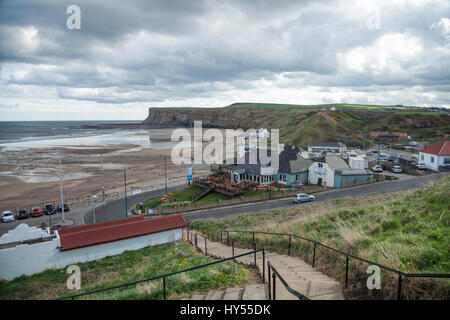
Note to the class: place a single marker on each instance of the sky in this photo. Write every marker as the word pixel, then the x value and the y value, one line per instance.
pixel 127 56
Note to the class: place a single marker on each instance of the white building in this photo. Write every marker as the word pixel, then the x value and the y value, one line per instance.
pixel 436 156
pixel 334 147
pixel 322 173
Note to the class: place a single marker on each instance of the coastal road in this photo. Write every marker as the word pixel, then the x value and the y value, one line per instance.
pixel 115 209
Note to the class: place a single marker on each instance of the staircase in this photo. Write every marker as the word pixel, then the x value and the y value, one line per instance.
pixel 203 193
pixel 249 292
pixel 298 274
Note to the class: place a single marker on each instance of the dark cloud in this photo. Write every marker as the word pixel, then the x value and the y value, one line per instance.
pixel 164 51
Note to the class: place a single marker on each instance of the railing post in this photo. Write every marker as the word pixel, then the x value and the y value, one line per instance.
pixel 220 236
pixel 232 248
pixel 274 278
pixel 196 245
pixel 399 289
pixel 254 252
pixel 269 280
pixel 228 238
pixel 164 288
pixel 253 237
pixel 346 272
pixel 314 255
pixel 289 246
pixel 206 249
pixel 263 265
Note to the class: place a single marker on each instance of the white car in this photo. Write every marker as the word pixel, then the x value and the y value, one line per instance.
pixel 421 166
pixel 377 168
pixel 396 169
pixel 303 197
pixel 7 216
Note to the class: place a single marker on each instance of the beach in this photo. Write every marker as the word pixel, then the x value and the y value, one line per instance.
pixel 29 168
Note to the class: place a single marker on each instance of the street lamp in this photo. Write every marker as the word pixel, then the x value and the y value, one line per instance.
pixel 94 196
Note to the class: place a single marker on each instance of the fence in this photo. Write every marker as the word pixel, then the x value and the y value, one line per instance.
pixel 165 276
pixel 347 255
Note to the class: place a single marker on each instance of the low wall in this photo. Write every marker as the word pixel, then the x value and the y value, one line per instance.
pixel 35 258
pixel 237 200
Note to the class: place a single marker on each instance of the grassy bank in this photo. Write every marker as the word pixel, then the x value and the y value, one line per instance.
pixel 406 230
pixel 131 266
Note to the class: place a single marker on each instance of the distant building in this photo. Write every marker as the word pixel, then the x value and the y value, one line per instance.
pixel 389 137
pixel 437 156
pixel 334 147
pixel 322 172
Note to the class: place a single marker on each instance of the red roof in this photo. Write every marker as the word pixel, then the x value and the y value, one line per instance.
pixel 399 134
pixel 114 230
pixel 440 149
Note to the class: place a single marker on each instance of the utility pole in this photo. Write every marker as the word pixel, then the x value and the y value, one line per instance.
pixel 61 190
pixel 103 178
pixel 125 184
pixel 165 172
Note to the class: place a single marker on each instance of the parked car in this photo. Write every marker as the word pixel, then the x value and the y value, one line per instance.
pixel 66 208
pixel 421 166
pixel 22 214
pixel 303 197
pixel 48 209
pixel 377 168
pixel 35 212
pixel 396 169
pixel 7 216
pixel 369 153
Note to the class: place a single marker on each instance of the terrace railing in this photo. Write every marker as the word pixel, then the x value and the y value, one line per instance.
pixel 348 256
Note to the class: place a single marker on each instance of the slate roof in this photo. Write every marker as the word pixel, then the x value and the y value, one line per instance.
pixel 114 230
pixel 335 162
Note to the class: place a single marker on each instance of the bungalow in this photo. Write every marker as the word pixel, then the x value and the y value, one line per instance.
pixel 320 147
pixel 437 156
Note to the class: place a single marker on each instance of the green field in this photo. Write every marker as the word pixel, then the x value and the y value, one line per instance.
pixel 408 231
pixel 131 266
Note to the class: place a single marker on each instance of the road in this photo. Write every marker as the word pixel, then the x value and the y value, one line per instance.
pixel 115 209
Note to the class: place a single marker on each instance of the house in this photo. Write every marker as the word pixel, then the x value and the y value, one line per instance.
pixel 292 169
pixel 345 177
pixel 437 156
pixel 388 137
pixel 82 243
pixel 335 147
pixel 322 172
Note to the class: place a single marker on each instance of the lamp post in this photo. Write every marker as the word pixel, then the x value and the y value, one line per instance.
pixel 125 185
pixel 103 178
pixel 94 196
pixel 61 191
pixel 165 171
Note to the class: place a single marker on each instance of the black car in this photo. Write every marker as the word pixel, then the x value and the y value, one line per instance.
pixel 66 208
pixel 48 209
pixel 22 214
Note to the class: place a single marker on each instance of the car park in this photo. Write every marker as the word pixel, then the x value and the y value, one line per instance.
pixel 48 209
pixel 7 216
pixel 66 208
pixel 22 214
pixel 303 197
pixel 396 169
pixel 35 212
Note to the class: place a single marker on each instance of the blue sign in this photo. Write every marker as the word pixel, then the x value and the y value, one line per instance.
pixel 189 173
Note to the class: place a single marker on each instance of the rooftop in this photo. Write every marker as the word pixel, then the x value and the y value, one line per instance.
pixel 114 230
pixel 440 149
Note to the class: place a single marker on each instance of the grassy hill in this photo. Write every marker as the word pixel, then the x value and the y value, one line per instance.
pixel 303 124
pixel 408 231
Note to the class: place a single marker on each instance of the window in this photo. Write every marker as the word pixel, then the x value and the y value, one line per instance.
pixel 421 157
pixel 432 159
pixel 297 177
pixel 447 161
pixel 320 165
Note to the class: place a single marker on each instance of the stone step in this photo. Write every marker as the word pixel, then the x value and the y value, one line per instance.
pixel 198 297
pixel 254 292
pixel 214 295
pixel 233 294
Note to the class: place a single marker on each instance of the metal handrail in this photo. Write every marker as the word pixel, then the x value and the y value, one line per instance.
pixel 164 276
pixel 275 274
pixel 347 255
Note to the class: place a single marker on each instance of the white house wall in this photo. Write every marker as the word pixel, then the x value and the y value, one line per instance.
pixel 328 177
pixel 35 258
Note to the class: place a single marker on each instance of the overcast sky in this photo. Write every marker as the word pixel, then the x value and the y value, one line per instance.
pixel 131 55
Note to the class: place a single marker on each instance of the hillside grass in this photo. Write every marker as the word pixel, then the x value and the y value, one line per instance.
pixel 131 266
pixel 407 230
